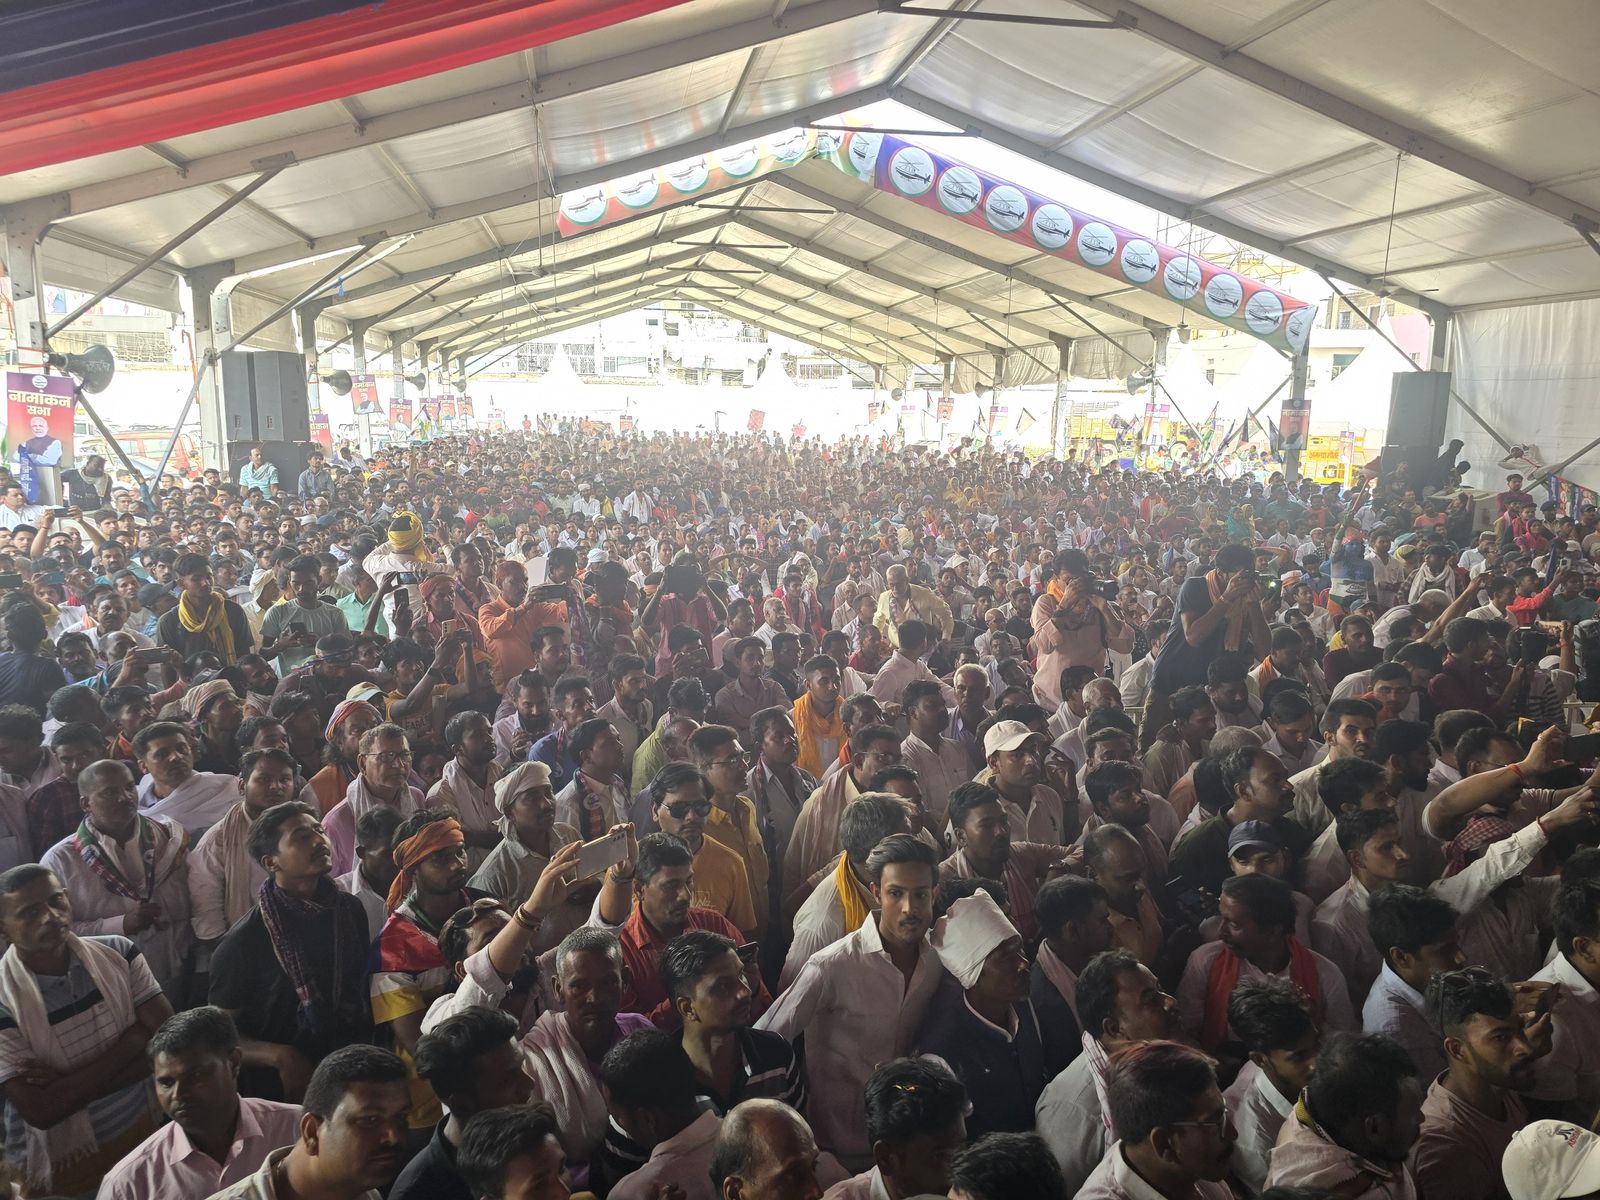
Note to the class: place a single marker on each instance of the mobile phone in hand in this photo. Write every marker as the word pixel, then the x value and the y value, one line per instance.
pixel 601 853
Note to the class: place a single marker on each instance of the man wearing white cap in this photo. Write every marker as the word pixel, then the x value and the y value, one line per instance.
pixel 981 1022
pixel 1016 759
pixel 1552 1160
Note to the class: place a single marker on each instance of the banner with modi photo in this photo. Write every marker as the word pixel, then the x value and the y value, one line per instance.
pixel 38 441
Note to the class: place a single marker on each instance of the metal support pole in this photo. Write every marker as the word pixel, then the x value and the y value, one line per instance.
pixel 165 249
pixel 299 301
pixel 308 344
pixel 1296 401
pixel 994 394
pixel 213 329
pixel 1062 401
pixel 397 361
pixel 116 446
pixel 947 374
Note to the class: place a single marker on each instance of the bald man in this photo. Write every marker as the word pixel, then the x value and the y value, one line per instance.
pixel 765 1151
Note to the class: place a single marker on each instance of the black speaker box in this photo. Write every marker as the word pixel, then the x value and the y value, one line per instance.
pixel 1418 402
pixel 264 396
pixel 289 457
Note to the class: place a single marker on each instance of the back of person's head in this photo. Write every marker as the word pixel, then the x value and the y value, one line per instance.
pixel 649 1069
pixel 1269 1014
pixel 1460 633
pixel 863 739
pixel 1398 738
pixel 1068 899
pixel 1343 783
pixel 871 818
pixel 898 849
pixel 1357 1076
pixel 1152 1085
pixel 447 1054
pixel 1006 1166
pixel 494 1139
pixel 1406 918
pixel 345 1067
pixel 909 1097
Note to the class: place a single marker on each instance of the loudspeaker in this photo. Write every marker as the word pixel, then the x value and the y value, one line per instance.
pixel 1418 401
pixel 264 396
pixel 289 457
pixel 1419 461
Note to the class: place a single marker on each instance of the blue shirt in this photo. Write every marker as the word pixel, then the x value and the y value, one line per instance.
pixel 552 751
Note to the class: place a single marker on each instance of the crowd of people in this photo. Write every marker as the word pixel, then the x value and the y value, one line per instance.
pixel 680 817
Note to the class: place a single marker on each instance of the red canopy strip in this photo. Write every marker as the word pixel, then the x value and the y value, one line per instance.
pixel 281 69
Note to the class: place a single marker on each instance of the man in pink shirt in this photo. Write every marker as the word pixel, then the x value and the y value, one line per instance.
pixel 216 1137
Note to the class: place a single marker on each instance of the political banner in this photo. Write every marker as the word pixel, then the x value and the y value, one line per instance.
pixel 874 410
pixel 464 407
pixel 945 185
pixel 400 412
pixel 624 424
pixel 321 430
pixel 447 410
pixel 947 409
pixel 1294 424
pixel 38 440
pixel 757 421
pixel 430 409
pixel 497 421
pixel 798 430
pixel 364 394
pixel 644 191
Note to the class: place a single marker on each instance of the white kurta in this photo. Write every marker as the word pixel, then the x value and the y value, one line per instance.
pixel 197 803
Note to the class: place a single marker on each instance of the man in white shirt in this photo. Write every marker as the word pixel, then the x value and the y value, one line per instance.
pixel 916 638
pixel 941 764
pixel 863 998
pixel 1569 1075
pixel 1272 1020
pixel 172 788
pixel 15 509
pixel 1121 1004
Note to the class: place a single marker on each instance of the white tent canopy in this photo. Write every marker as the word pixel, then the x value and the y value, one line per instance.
pixel 1445 155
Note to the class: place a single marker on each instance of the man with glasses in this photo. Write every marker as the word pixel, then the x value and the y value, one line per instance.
pixel 1174 1136
pixel 680 799
pixel 733 820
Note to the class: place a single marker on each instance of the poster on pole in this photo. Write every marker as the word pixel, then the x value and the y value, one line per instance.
pixel 497 421
pixel 321 430
pixel 947 409
pixel 400 412
pixel 465 405
pixel 38 432
pixel 447 413
pixel 364 394
pixel 1294 424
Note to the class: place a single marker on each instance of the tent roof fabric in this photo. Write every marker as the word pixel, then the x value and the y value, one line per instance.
pixel 1431 151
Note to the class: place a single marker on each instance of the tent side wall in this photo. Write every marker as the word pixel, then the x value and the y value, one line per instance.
pixel 1533 373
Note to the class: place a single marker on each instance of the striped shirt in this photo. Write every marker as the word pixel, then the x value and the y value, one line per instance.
pixel 83 1025
pixel 771 1072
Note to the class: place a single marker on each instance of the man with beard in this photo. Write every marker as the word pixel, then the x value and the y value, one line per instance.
pixel 216 1137
pixel 778 787
pixel 1353 1128
pixel 1255 940
pixel 1174 1137
pixel 1348 728
pixel 984 850
pixel 304 937
pixel 629 710
pixel 1115 861
pixel 707 981
pixel 1121 1005
pixel 980 1022
pixel 647 899
pixel 408 970
pixel 1115 788
pixel 863 998
pixel 352 1133
pixel 1258 787
pixel 172 788
pixel 473 1063
pixel 217 713
pixel 941 763
pixel 1472 1111
pixel 384 761
pixel 1016 757
pixel 1074 920
pixel 126 873
pixel 815 838
pixel 467 785
pixel 224 880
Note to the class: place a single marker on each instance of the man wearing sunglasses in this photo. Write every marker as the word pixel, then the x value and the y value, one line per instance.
pixel 680 796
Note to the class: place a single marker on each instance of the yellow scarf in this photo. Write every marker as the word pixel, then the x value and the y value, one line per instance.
pixel 1057 590
pixel 409 540
pixel 213 623
pixel 808 726
pixel 852 896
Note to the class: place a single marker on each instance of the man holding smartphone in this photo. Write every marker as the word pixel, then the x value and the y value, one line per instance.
pixel 289 632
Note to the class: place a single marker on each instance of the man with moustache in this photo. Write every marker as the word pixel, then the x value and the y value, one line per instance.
pixel 863 998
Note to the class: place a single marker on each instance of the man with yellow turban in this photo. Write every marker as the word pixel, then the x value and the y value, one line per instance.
pixel 403 561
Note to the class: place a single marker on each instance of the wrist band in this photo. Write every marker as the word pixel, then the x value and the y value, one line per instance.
pixel 531 924
pixel 1516 769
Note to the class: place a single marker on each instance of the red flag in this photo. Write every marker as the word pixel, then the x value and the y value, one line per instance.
pixel 757 422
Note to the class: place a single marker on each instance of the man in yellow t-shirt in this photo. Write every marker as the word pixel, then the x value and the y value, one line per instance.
pixel 681 797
